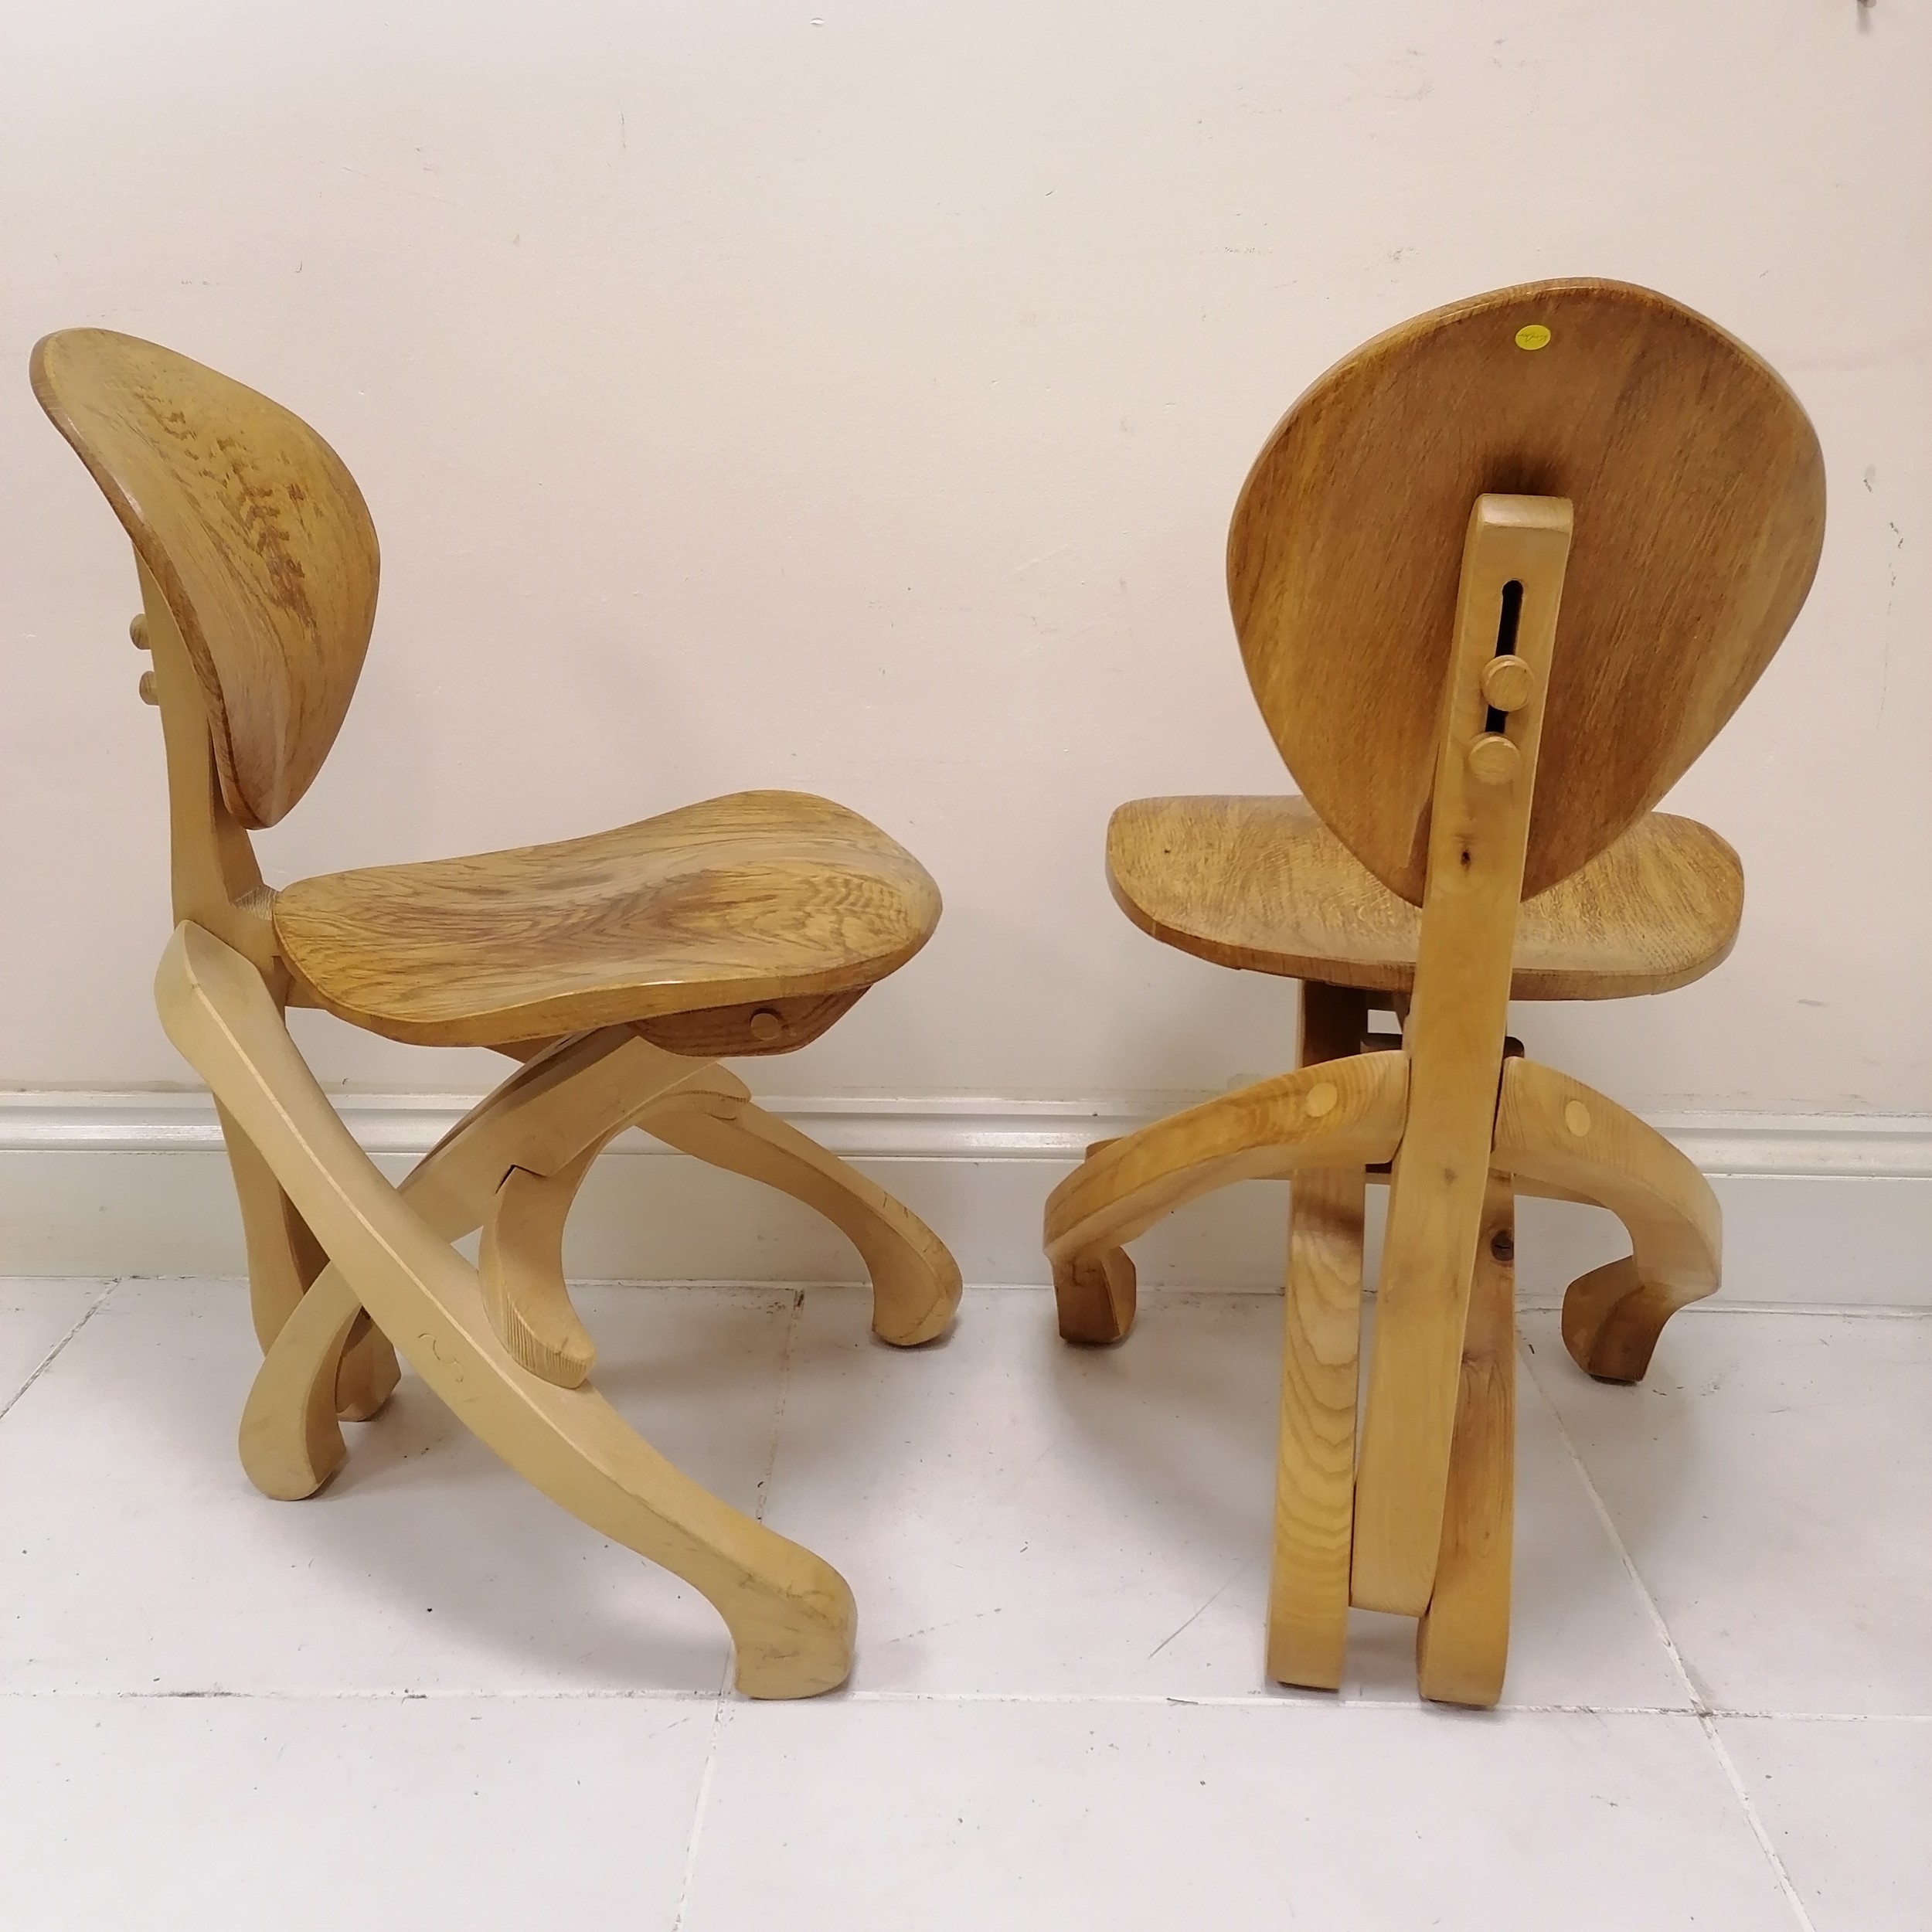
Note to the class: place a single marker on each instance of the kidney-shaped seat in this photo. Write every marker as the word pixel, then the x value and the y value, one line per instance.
pixel 1263 885
pixel 762 895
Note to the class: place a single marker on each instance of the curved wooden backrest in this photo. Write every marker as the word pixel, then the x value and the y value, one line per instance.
pixel 1698 492
pixel 254 530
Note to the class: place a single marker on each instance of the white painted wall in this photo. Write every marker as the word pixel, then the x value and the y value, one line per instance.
pixel 853 397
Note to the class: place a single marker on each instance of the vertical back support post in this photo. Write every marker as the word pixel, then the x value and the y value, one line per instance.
pixel 217 885
pixel 1513 574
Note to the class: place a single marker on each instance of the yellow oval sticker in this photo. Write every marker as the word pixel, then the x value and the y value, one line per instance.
pixel 1532 335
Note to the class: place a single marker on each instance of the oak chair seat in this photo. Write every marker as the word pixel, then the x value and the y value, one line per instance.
pixel 762 895
pixel 1263 885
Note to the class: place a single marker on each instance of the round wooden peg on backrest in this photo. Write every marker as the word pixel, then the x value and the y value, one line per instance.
pixel 1507 682
pixel 1493 760
pixel 149 693
pixel 138 629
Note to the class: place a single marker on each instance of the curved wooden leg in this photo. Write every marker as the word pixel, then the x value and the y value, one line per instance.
pixel 283 1260
pixel 915 1280
pixel 520 1266
pixel 571 1095
pixel 292 1439
pixel 366 1374
pixel 1554 1130
pixel 1462 1640
pixel 1345 1113
pixel 791 1614
pixel 1315 1461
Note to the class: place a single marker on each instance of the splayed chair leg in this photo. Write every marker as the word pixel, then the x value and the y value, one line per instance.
pixel 1551 1129
pixel 1343 1113
pixel 1462 1639
pixel 1314 1462
pixel 283 1260
pixel 915 1280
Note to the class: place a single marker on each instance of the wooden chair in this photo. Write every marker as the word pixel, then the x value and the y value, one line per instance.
pixel 616 969
pixel 1396 563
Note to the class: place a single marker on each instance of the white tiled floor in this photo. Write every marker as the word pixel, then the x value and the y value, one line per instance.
pixel 427 1696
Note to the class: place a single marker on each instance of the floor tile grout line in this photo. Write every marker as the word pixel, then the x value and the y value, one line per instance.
pixel 1120 1699
pixel 1707 1722
pixel 53 1354
pixel 792 1323
pixel 1528 1302
pixel 721 1702
pixel 720 1711
pixel 1701 1705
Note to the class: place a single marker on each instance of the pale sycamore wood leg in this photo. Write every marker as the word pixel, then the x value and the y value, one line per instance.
pixel 1462 1639
pixel 1554 1131
pixel 1344 1113
pixel 915 1280
pixel 791 1614
pixel 283 1260
pixel 367 1373
pixel 1097 1299
pixel 521 1264
pixel 1428 1259
pixel 1314 1464
pixel 572 1095
pixel 292 1438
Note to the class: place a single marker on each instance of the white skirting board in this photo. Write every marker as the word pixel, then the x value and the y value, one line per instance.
pixel 1833 1208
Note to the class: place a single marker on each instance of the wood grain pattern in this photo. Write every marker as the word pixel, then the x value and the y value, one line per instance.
pixel 791 1614
pixel 1699 497
pixel 756 897
pixel 256 534
pixel 1454 1041
pixel 1314 1457
pixel 1262 884
pixel 1462 1639
pixel 1553 1129
pixel 212 875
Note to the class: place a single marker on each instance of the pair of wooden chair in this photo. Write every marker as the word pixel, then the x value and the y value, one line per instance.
pixel 1399 556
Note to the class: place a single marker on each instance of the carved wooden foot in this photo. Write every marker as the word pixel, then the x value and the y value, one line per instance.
pixel 1096 1297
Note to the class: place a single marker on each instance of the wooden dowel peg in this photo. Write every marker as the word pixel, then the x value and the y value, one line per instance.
pixel 1507 682
pixel 1493 760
